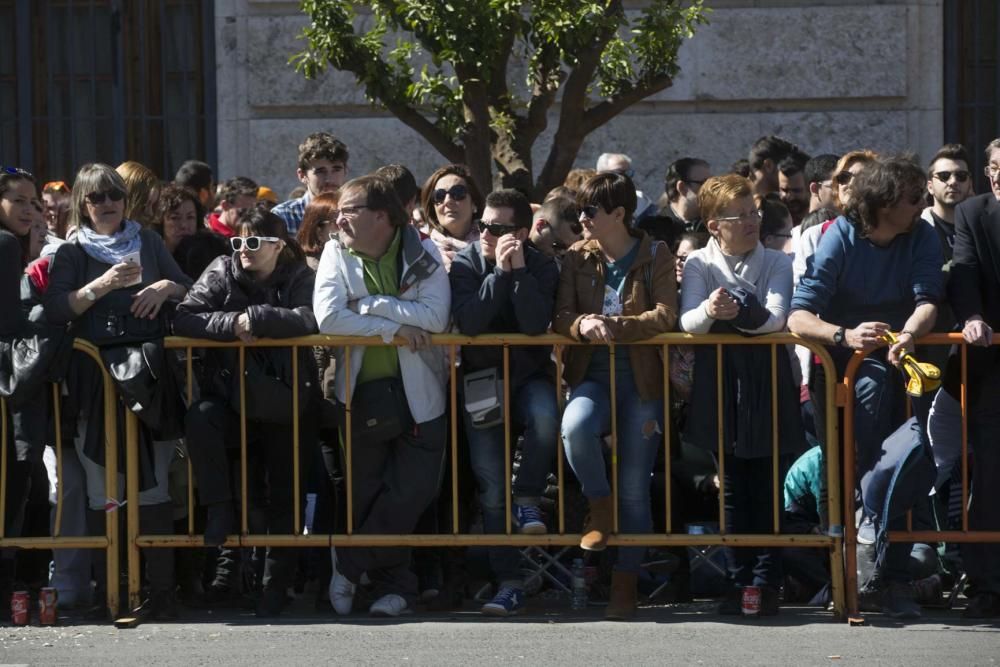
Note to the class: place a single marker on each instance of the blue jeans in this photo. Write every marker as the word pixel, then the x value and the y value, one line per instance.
pixel 586 420
pixel 534 407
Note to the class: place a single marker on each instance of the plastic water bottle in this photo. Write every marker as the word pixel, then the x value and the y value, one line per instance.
pixel 578 598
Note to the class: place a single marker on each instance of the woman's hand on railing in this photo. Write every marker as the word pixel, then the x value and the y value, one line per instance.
pixel 242 328
pixel 595 330
pixel 148 301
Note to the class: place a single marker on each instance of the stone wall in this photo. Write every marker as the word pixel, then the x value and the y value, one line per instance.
pixel 829 75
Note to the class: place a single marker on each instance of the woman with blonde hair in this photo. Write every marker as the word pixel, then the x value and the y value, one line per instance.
pixel 142 191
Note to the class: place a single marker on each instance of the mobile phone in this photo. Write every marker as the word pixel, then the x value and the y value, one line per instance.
pixel 134 258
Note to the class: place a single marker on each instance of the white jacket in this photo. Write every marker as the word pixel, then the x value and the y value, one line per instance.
pixel 424 302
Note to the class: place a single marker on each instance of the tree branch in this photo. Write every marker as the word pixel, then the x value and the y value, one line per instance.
pixel 601 113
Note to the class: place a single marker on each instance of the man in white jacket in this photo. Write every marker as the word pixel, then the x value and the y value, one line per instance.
pixel 378 278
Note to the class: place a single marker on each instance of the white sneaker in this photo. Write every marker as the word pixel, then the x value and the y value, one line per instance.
pixel 389 605
pixel 341 593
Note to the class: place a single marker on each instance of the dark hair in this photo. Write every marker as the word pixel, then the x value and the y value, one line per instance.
pixel 321 208
pixel 258 221
pixel 402 181
pixel 610 190
pixel 695 239
pixel 559 211
pixel 821 168
pixel 741 168
pixel 7 181
pixel 818 217
pixel 882 183
pixel 322 146
pixel 516 202
pixel 773 214
pixel 234 187
pixel 956 152
pixel 194 174
pixel 678 171
pixel 427 193
pixel 793 163
pixel 171 198
pixel 770 148
pixel 194 253
pixel 379 196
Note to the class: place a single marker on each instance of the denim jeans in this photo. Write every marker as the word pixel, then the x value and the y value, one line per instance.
pixel 586 420
pixel 533 407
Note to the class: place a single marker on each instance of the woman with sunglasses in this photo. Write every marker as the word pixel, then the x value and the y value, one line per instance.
pixel 617 286
pixel 736 285
pixel 263 290
pixel 450 201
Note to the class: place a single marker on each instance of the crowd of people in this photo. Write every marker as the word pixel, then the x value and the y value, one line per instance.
pixel 855 252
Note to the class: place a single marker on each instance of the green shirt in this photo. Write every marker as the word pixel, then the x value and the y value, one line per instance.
pixel 381 277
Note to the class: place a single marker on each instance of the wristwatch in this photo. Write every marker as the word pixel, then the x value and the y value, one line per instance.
pixel 838 336
pixel 88 293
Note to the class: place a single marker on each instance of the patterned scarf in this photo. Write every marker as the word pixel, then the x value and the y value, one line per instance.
pixel 110 249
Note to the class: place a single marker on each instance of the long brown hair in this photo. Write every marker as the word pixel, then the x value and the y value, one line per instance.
pixel 7 181
pixel 322 208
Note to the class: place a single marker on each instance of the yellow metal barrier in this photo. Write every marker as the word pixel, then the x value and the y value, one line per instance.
pixel 109 541
pixel 833 541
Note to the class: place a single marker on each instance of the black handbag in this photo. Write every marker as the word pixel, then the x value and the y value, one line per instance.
pixel 27 362
pixel 268 383
pixel 110 321
pixel 379 411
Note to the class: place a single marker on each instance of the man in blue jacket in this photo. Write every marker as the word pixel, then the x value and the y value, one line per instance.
pixel 502 284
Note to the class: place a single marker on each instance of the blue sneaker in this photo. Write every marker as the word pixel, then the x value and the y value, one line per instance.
pixel 507 602
pixel 529 520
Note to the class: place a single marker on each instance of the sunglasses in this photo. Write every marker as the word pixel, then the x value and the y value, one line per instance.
pixel 458 192
pixel 960 175
pixel 590 211
pixel 844 177
pixel 97 198
pixel 15 171
pixel 252 243
pixel 495 229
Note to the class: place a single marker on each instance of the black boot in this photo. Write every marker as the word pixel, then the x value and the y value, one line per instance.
pixel 161 604
pixel 218 523
pixel 97 525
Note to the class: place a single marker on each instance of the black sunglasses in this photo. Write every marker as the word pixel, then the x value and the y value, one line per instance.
pixel 458 192
pixel 495 229
pixel 960 175
pixel 97 198
pixel 590 211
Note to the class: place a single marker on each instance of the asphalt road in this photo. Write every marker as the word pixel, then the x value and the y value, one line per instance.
pixel 674 635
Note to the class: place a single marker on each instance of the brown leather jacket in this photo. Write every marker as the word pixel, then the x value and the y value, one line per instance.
pixel 581 293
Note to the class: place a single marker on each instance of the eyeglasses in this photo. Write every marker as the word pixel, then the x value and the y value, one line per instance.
pixel 750 218
pixel 252 243
pixel 55 186
pixel 494 229
pixel 458 192
pixel 97 198
pixel 961 175
pixel 590 211
pixel 350 212
pixel 15 171
pixel 681 259
pixel 826 184
pixel 844 177
pixel 993 170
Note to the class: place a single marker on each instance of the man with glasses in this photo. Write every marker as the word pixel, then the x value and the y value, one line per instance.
pixel 502 284
pixel 555 227
pixel 679 210
pixel 992 169
pixel 380 278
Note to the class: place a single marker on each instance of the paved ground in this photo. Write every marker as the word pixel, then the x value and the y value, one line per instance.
pixel 679 634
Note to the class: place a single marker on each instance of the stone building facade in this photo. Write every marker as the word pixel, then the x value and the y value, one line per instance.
pixel 830 75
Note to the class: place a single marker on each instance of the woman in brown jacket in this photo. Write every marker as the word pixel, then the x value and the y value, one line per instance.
pixel 617 287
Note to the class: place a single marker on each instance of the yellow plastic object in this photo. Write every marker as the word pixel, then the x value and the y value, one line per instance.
pixel 922 377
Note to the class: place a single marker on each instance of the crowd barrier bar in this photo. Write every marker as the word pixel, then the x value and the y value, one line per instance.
pixel 833 540
pixel 850 478
pixel 109 541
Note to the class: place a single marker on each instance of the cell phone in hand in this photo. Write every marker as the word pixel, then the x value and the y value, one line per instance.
pixel 133 258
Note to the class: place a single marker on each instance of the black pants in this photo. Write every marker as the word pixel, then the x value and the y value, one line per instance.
pixel 393 482
pixel 213 439
pixel 982 561
pixel 750 509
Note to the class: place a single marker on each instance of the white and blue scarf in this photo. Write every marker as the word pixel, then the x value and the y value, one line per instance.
pixel 110 249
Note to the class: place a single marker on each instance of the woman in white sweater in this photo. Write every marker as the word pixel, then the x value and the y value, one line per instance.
pixel 736 285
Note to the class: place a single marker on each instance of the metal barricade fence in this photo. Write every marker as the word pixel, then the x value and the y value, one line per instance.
pixel 833 541
pixel 109 541
pixel 850 477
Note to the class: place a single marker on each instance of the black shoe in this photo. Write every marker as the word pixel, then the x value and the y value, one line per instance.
pixel 983 605
pixel 159 606
pixel 768 601
pixel 732 603
pixel 271 603
pixel 218 524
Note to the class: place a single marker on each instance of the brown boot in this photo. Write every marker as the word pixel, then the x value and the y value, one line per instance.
pixel 599 524
pixel 622 600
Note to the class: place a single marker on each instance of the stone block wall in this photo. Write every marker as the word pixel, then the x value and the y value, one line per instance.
pixel 830 75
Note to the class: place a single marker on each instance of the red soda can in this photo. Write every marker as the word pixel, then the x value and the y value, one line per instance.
pixel 19 608
pixel 751 600
pixel 47 612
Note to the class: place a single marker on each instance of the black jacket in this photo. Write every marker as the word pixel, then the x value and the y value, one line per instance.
pixel 485 299
pixel 12 322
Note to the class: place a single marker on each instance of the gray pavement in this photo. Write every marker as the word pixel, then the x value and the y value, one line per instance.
pixel 688 634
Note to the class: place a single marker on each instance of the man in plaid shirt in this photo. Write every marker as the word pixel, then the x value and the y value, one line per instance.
pixel 322 168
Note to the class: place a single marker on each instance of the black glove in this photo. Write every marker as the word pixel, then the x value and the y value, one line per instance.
pixel 752 314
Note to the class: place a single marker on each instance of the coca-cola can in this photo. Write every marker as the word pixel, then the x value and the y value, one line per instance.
pixel 751 600
pixel 19 608
pixel 47 609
